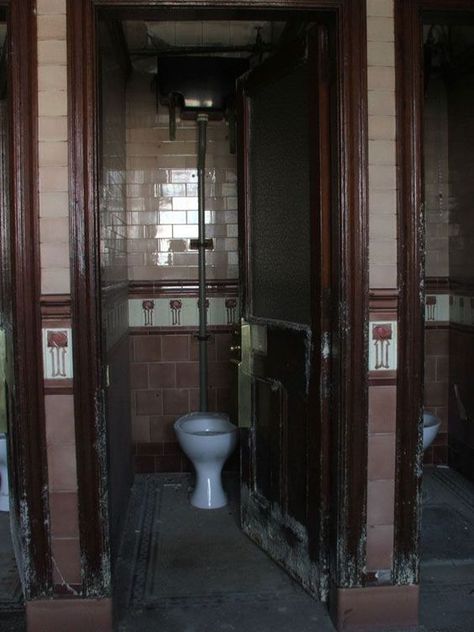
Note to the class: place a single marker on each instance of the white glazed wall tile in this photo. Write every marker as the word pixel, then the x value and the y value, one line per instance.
pixel 382 149
pixel 52 121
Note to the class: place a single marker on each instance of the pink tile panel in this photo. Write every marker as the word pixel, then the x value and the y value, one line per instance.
pixel 165 385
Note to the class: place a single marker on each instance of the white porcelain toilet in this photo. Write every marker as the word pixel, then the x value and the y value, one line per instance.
pixel 431 425
pixel 4 501
pixel 207 439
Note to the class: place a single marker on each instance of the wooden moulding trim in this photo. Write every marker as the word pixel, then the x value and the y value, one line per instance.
pixel 58 387
pixel 437 325
pixel 56 307
pixel 383 301
pixel 152 289
pixel 383 378
pixel 437 285
pixel 349 468
pixel 411 323
pixel 464 286
pixel 409 108
pixel 29 414
pixel 85 308
pixel 459 327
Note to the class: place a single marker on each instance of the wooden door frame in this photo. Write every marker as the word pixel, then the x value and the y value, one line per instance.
pixel 348 441
pixel 28 418
pixel 409 16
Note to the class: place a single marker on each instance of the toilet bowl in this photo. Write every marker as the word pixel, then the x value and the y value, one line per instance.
pixel 207 439
pixel 4 501
pixel 431 425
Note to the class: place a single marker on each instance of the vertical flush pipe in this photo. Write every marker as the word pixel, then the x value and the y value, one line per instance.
pixel 202 337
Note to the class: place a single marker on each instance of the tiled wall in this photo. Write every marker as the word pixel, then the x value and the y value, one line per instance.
pixel 112 188
pixel 162 217
pixel 53 147
pixel 437 353
pixel 449 315
pixel 436 175
pixel 382 171
pixel 162 193
pixel 461 164
pixel 165 381
pixel 382 278
pixel 461 246
pixel 54 238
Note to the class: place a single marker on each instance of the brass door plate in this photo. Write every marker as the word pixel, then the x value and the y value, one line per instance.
pixel 245 376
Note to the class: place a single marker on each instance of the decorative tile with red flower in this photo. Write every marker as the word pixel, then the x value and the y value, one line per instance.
pixel 383 346
pixel 57 354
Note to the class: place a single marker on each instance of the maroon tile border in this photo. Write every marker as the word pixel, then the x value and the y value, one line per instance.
pixel 158 289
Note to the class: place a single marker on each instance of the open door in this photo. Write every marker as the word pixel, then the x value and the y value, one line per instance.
pixel 285 198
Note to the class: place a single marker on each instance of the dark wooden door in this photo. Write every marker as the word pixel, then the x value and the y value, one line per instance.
pixel 285 209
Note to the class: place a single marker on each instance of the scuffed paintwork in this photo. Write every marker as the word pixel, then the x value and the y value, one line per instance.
pixel 100 585
pixel 326 345
pixel 282 537
pixel 64 583
pixel 28 576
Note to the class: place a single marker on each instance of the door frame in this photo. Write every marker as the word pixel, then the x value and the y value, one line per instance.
pixel 409 15
pixel 28 462
pixel 346 517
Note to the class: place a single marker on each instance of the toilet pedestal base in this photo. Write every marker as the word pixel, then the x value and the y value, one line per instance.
pixel 4 503
pixel 208 493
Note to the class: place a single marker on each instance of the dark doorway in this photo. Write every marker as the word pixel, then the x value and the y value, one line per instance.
pixel 344 328
pixel 280 121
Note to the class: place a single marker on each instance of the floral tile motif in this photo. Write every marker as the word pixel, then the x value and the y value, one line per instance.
pixel 452 308
pixel 182 311
pixel 383 346
pixel 57 353
pixel 462 310
pixel 437 308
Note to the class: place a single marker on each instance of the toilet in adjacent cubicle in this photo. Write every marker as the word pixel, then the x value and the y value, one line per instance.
pixel 431 425
pixel 207 439
pixel 4 501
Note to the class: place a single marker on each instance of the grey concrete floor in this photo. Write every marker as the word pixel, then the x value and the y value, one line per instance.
pixel 182 592
pixel 185 570
pixel 189 570
pixel 11 609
